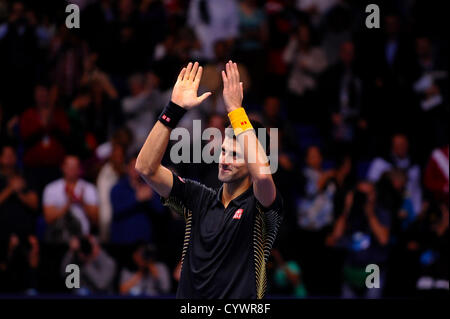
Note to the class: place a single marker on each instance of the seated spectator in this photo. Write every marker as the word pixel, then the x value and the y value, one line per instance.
pixel 107 178
pixel 133 201
pixel 400 158
pixel 44 130
pixel 315 209
pixel 152 278
pixel 97 268
pixel 363 230
pixel 18 201
pixel 207 19
pixel 70 204
pixel 306 62
pixel 436 173
pixel 344 95
pixel 140 108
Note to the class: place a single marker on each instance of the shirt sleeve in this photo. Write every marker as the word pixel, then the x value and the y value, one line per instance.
pixel 275 208
pixel 186 194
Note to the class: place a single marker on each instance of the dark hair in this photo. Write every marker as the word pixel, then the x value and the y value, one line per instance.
pixel 256 125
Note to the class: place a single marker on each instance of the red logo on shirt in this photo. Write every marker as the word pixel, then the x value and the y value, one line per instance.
pixel 238 214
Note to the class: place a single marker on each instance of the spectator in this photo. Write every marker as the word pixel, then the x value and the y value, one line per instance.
pixel 97 268
pixel 363 230
pixel 44 129
pixel 152 278
pixel 140 108
pixel 344 97
pixel 307 62
pixel 70 204
pixel 212 79
pixel 436 174
pixel 133 202
pixel 315 210
pixel 399 157
pixel 18 201
pixel 287 277
pixel 107 178
pixel 314 219
pixel 213 20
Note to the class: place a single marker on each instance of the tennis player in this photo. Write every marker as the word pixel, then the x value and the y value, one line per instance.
pixel 229 232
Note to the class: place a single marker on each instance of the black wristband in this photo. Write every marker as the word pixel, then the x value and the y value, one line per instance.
pixel 171 115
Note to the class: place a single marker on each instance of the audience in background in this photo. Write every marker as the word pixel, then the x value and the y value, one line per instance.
pixel 70 204
pixel 337 92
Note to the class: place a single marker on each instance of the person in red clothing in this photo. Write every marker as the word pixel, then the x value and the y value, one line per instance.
pixel 44 129
pixel 437 173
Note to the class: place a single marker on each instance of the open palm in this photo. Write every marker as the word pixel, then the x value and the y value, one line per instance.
pixel 186 88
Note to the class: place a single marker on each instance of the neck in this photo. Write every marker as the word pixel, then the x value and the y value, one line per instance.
pixel 232 190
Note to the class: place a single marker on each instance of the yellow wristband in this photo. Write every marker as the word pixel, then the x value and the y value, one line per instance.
pixel 239 121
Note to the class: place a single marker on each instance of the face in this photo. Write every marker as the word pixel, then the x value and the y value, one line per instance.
pixel 303 34
pixel 347 52
pixel 314 157
pixel 8 157
pixel 231 162
pixel 41 96
pixel 272 107
pixel 71 168
pixel 400 146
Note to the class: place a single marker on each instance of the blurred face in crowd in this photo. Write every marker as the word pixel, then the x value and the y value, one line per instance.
pixel 126 7
pixel 347 53
pixel 314 157
pixel 17 11
pixel 71 168
pixel 423 47
pixel 398 180
pixel 117 158
pixel 41 96
pixel 137 84
pixel 229 169
pixel 400 146
pixel 8 158
pixel 303 34
pixel 221 50
pixel 392 25
pixel 272 107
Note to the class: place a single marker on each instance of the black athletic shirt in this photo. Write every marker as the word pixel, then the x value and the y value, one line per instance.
pixel 225 251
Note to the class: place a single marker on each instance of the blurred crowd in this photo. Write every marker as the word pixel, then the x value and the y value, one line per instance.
pixel 362 118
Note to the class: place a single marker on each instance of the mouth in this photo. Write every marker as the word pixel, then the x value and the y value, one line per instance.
pixel 225 168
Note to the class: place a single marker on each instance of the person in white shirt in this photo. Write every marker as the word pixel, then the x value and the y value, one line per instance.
pixel 213 20
pixel 399 158
pixel 107 178
pixel 70 204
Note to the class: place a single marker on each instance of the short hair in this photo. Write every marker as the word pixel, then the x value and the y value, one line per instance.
pixel 256 125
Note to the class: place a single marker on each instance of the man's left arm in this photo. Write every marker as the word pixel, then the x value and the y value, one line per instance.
pixel 254 154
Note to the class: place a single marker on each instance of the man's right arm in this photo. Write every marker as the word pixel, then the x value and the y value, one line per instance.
pixel 148 163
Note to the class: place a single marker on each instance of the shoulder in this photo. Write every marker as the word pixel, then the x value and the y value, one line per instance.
pixel 54 186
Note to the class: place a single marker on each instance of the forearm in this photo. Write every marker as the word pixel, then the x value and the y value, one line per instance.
pixel 52 213
pixel 258 166
pixel 30 199
pixel 151 154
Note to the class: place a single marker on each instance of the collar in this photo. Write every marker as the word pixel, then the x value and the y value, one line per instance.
pixel 241 198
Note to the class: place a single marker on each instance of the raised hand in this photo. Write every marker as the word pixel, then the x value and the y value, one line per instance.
pixel 185 90
pixel 233 90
